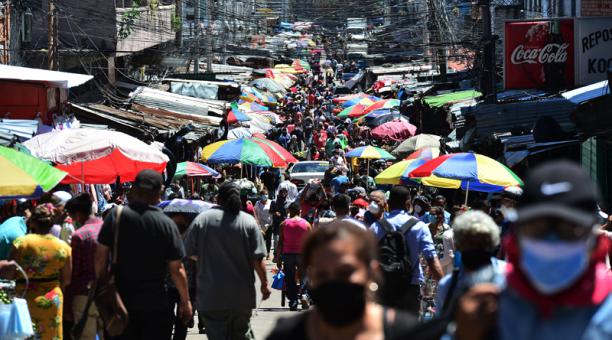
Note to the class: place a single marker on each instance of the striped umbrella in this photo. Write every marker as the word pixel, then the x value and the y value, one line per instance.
pixel 24 176
pixel 369 152
pixel 252 151
pixel 344 99
pixel 427 153
pixel 473 171
pixel 192 169
pixel 398 172
pixel 382 104
pixel 352 111
pixel 235 115
pixel 369 100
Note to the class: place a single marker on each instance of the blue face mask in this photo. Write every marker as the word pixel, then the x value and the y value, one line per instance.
pixel 433 219
pixel 552 266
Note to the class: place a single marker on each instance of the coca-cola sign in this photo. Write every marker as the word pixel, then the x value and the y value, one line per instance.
pixel 539 54
pixel 550 53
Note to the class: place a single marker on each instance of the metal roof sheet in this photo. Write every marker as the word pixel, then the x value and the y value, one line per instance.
pixel 585 93
pixel 56 78
pixel 499 118
pixel 177 103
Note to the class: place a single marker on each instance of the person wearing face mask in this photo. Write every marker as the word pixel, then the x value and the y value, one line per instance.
pixel 341 265
pixel 476 239
pixel 263 218
pixel 557 285
pixel 442 235
pixel 421 208
pixel 376 208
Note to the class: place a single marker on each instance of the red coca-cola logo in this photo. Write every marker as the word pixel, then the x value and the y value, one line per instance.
pixel 539 54
pixel 550 53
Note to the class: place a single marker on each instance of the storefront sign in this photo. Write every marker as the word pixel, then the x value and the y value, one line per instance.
pixel 593 49
pixel 539 54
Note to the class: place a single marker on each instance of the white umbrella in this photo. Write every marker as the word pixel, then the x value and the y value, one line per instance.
pixel 179 205
pixel 96 156
pixel 414 143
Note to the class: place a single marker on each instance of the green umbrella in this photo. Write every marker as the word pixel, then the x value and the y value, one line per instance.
pixel 24 176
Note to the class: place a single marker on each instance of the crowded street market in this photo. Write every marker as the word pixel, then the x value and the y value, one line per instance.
pixel 301 200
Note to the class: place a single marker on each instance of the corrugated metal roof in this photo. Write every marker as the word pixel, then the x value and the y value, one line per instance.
pixel 177 103
pixel 521 95
pixel 585 93
pixel 499 118
pixel 23 129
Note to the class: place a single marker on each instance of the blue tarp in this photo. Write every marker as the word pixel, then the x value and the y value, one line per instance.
pixel 202 91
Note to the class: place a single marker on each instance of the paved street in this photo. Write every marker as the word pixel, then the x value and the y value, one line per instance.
pixel 265 319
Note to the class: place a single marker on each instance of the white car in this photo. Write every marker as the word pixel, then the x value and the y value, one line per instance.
pixel 302 172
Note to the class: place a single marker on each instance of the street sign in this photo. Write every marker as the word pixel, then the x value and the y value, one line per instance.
pixel 593 49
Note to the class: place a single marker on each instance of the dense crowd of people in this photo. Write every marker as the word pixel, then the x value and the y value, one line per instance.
pixel 363 261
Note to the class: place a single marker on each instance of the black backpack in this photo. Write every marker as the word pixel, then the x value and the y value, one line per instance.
pixel 394 257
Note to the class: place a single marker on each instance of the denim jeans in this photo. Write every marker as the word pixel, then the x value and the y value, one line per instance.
pixel 291 266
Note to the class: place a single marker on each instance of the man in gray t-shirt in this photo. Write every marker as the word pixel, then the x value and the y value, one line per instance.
pixel 228 246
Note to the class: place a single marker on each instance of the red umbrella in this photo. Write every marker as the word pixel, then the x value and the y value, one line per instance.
pixel 396 130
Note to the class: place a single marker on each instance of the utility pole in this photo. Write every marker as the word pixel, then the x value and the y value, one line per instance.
pixel 488 77
pixel 209 48
pixel 196 23
pixel 435 35
pixel 178 14
pixel 52 54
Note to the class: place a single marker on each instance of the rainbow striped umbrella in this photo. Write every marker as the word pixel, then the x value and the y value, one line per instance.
pixel 398 172
pixel 369 152
pixel 426 152
pixel 382 104
pixel 472 171
pixel 253 151
pixel 369 100
pixel 301 64
pixel 252 106
pixel 192 169
pixel 351 109
pixel 235 115
pixel 24 176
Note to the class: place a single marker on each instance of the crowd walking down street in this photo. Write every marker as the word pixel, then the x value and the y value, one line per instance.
pixel 317 227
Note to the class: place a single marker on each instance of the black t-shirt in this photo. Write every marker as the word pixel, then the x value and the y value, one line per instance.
pixel 148 240
pixel 403 327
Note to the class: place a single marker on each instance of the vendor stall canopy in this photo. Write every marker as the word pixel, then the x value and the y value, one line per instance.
pixel 55 78
pixel 453 97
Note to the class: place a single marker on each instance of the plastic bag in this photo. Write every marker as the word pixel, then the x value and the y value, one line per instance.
pixel 20 323
pixel 278 280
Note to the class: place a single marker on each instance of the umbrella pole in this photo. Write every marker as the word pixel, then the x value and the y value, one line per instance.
pixel 467 191
pixel 367 173
pixel 83 175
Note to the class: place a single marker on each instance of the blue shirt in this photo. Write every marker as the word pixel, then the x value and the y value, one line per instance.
pixel 11 229
pixel 499 266
pixel 337 181
pixel 520 319
pixel 418 240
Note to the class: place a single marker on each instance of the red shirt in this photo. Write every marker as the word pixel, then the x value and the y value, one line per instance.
pixel 294 231
pixel 320 139
pixel 84 241
pixel 311 99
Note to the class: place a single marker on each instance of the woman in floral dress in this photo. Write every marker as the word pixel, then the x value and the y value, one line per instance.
pixel 47 261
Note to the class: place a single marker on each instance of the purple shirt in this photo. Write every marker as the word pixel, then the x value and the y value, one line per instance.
pixel 83 254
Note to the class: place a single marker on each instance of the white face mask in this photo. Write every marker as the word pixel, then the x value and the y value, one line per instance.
pixel 373 208
pixel 418 209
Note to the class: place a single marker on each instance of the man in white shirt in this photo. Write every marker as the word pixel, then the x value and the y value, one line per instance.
pixel 292 191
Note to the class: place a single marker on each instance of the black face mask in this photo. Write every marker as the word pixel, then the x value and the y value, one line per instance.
pixel 339 302
pixel 475 259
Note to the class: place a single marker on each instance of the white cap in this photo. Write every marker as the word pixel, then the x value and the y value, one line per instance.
pixel 62 197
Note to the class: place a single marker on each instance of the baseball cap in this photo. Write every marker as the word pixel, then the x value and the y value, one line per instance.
pixel 559 189
pixel 149 180
pixel 60 198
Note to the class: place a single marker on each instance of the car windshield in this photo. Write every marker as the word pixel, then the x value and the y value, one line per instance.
pixel 310 167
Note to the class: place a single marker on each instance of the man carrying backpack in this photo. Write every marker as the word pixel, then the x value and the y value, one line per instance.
pixel 402 239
